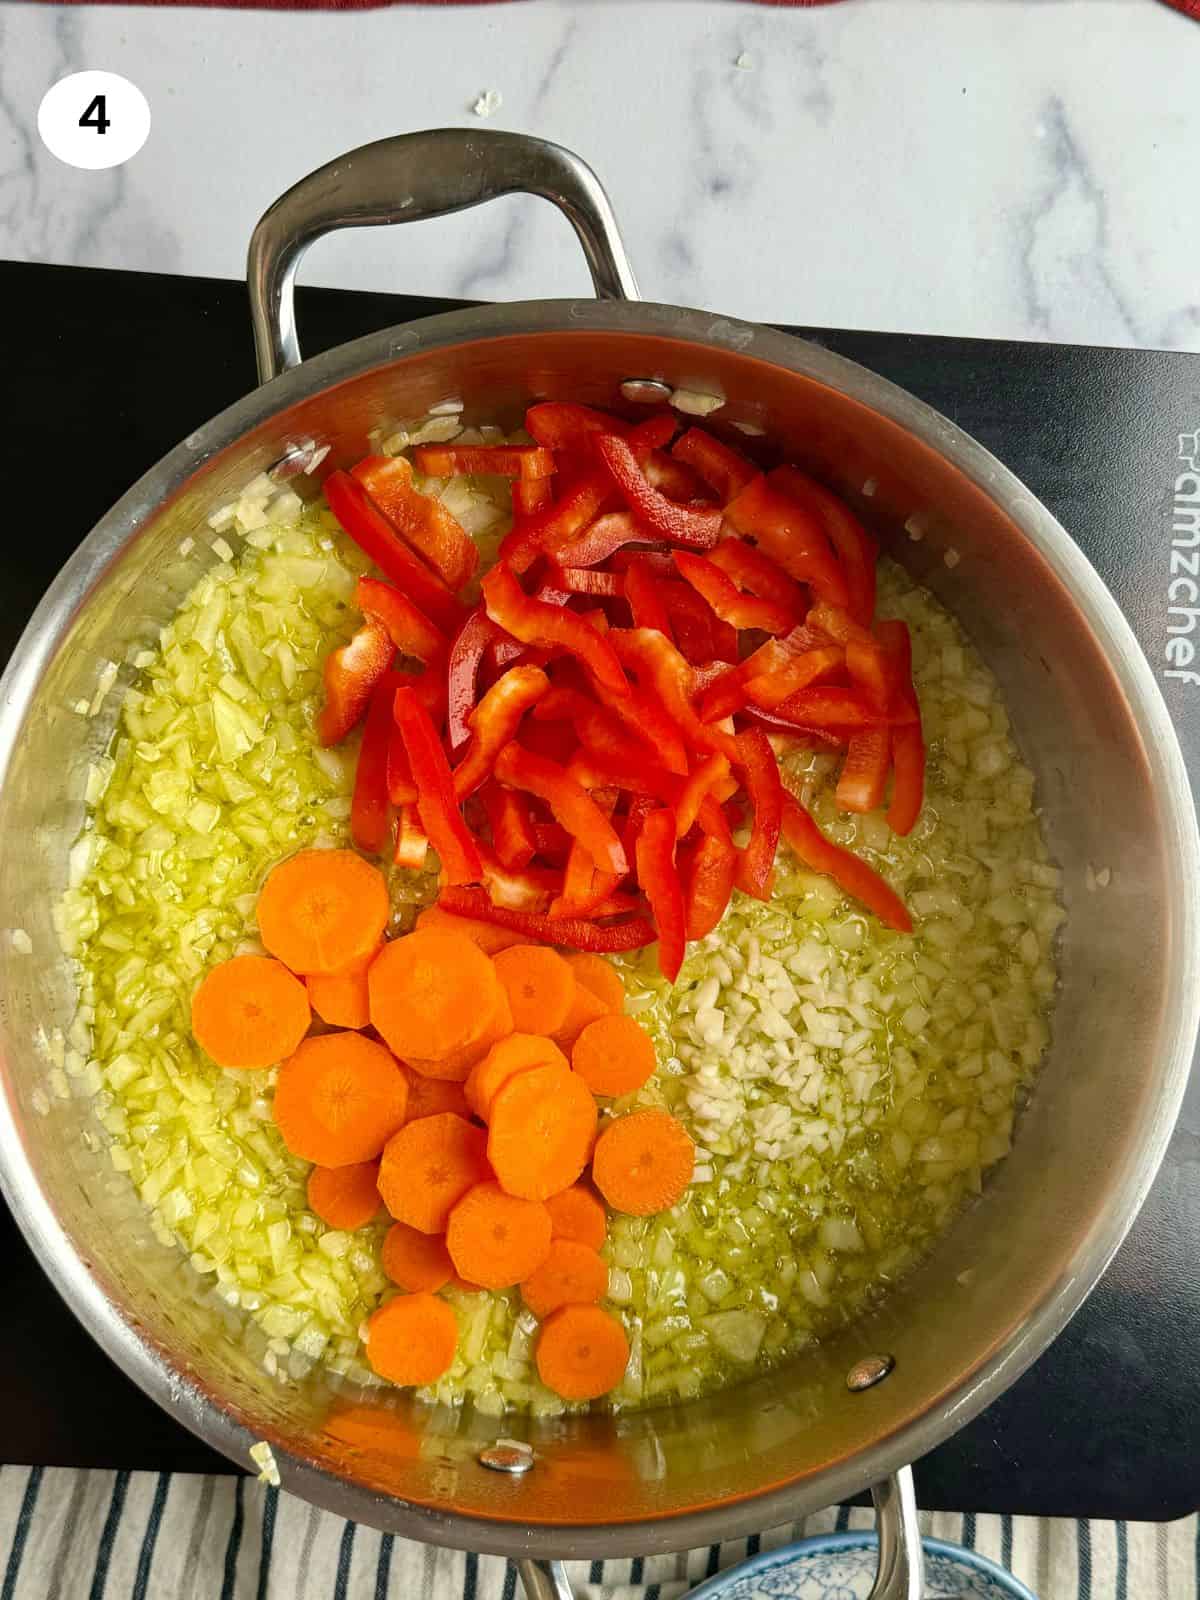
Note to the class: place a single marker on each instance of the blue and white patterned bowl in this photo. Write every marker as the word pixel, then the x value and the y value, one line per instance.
pixel 841 1566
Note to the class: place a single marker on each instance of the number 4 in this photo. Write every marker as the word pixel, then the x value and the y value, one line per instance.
pixel 95 116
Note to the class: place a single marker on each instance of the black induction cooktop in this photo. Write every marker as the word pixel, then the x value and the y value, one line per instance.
pixel 105 371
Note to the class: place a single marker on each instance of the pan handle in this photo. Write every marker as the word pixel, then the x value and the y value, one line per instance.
pixel 901 1574
pixel 405 179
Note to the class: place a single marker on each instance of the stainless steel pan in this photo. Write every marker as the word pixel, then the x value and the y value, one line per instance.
pixel 1088 717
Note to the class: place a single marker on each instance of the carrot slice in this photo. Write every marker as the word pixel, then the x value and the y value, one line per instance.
pixel 427 1168
pixel 643 1162
pixel 459 1064
pixel 340 998
pixel 571 1275
pixel 539 984
pixel 322 910
pixel 429 1096
pixel 345 1197
pixel 249 1012
pixel 598 975
pixel 518 1053
pixel 540 1133
pixel 585 1007
pixel 582 1353
pixel 339 1099
pixel 497 1239
pixel 416 1261
pixel 577 1214
pixel 614 1055
pixel 486 935
pixel 431 993
pixel 412 1339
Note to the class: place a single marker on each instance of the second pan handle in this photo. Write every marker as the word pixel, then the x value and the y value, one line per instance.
pixel 405 179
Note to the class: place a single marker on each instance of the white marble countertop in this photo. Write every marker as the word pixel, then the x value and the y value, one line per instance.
pixel 1020 168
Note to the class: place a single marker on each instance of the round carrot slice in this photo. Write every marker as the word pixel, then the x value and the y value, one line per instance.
pixel 598 975
pixel 576 1213
pixel 458 1065
pixel 571 1275
pixel 540 1132
pixel 339 1099
pixel 496 1239
pixel 643 1162
pixel 517 1053
pixel 585 1008
pixel 412 1339
pixel 431 993
pixel 582 1353
pixel 340 998
pixel 428 1096
pixel 416 1261
pixel 487 935
pixel 250 1012
pixel 539 984
pixel 614 1055
pixel 322 910
pixel 428 1166
pixel 345 1197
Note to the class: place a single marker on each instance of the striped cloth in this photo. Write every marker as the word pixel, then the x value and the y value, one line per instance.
pixel 67 1535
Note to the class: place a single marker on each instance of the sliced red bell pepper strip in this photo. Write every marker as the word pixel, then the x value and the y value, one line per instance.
pixel 529 888
pixel 374 534
pixel 853 545
pixel 430 689
pixel 602 539
pixel 494 723
pixel 530 495
pixel 511 822
pixel 566 425
pixel 640 807
pixel 556 741
pixel 750 568
pixel 781 728
pixel 670 477
pixel 412 842
pixel 535 622
pixel 769 689
pixel 661 669
pixel 692 527
pixel 759 771
pixel 351 673
pixel 409 628
pixel 586 580
pixel 656 557
pixel 651 433
pixel 554 843
pixel 642 712
pixel 835 709
pixel 420 521
pixel 644 597
pixel 730 604
pixel 791 535
pixel 545 532
pixel 908 741
pixel 701 635
pixel 402 790
pixel 711 817
pixel 596 772
pixel 462 677
pixel 436 804
pixel 850 871
pixel 585 888
pixel 573 933
pixel 569 802
pixel 370 816
pixel 599 731
pixel 505 460
pixel 864 772
pixel 699 783
pixel 659 880
pixel 725 471
pixel 706 871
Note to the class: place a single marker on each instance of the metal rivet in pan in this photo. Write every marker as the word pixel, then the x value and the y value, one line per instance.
pixel 505 1457
pixel 865 1374
pixel 645 391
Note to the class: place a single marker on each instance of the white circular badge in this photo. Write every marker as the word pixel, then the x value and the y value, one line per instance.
pixel 94 119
